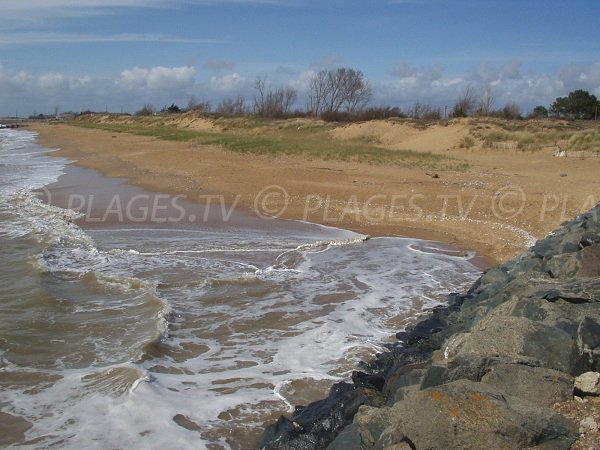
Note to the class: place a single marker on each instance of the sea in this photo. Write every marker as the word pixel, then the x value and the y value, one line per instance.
pixel 132 319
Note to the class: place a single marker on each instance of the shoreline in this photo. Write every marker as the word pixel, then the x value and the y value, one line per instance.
pixel 73 150
pixel 471 210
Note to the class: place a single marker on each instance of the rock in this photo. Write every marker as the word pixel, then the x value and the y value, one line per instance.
pixel 401 446
pixel 588 383
pixel 463 414
pixel 318 424
pixel 348 439
pixel 534 385
pixel 425 328
pixel 589 264
pixel 366 380
pixel 403 378
pixel 515 337
pixel 576 291
pixel 589 424
pixel 588 340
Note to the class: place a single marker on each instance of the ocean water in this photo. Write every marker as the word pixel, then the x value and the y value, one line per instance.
pixel 121 330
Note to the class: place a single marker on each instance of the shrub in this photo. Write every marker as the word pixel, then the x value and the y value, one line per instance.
pixel 466 142
pixel 147 110
pixel 336 116
pixel 173 109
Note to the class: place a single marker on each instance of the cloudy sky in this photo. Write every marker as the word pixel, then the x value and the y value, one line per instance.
pixel 120 54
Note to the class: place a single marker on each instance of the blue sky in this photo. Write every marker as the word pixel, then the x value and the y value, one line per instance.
pixel 97 54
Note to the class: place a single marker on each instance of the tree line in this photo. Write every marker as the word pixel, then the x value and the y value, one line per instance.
pixel 344 94
pixel 341 91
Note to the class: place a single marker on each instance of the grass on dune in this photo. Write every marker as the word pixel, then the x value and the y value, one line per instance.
pixel 276 138
pixel 535 135
pixel 584 141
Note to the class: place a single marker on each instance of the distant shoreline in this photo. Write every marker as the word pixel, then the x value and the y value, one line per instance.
pixel 472 209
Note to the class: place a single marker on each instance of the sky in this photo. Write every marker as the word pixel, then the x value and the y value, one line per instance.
pixel 117 55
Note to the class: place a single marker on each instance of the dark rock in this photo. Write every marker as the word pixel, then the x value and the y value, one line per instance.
pixel 455 300
pixel 577 291
pixel 318 424
pixel 424 329
pixel 588 339
pixel 366 380
pixel 589 239
pixel 402 377
pixel 570 247
pixel 348 439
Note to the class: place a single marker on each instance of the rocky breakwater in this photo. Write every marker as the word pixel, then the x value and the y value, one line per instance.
pixel 484 371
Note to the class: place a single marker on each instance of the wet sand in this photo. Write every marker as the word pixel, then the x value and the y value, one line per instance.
pixel 498 206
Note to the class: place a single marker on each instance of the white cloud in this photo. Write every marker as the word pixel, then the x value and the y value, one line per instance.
pixel 162 86
pixel 157 77
pixel 52 81
pixel 227 84
pixel 431 73
pixel 512 70
pixel 33 13
pixel 509 83
pixel 29 38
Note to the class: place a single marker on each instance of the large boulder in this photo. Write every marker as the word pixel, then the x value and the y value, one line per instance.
pixel 588 383
pixel 463 414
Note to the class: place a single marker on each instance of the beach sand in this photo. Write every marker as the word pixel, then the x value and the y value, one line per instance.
pixel 498 206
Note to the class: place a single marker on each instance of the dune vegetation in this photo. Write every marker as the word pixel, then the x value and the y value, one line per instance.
pixel 277 137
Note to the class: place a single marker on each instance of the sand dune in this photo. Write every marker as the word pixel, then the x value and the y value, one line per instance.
pixel 396 135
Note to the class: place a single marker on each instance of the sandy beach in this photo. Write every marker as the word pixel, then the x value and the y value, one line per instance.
pixel 498 203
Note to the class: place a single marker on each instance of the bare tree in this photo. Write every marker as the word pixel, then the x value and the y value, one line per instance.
pixel 418 110
pixel 356 90
pixel 318 91
pixel 332 90
pixel 271 102
pixel 465 104
pixel 485 102
pixel 511 111
pixel 195 105
pixel 147 110
pixel 260 85
pixel 290 95
pixel 335 81
pixel 232 107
